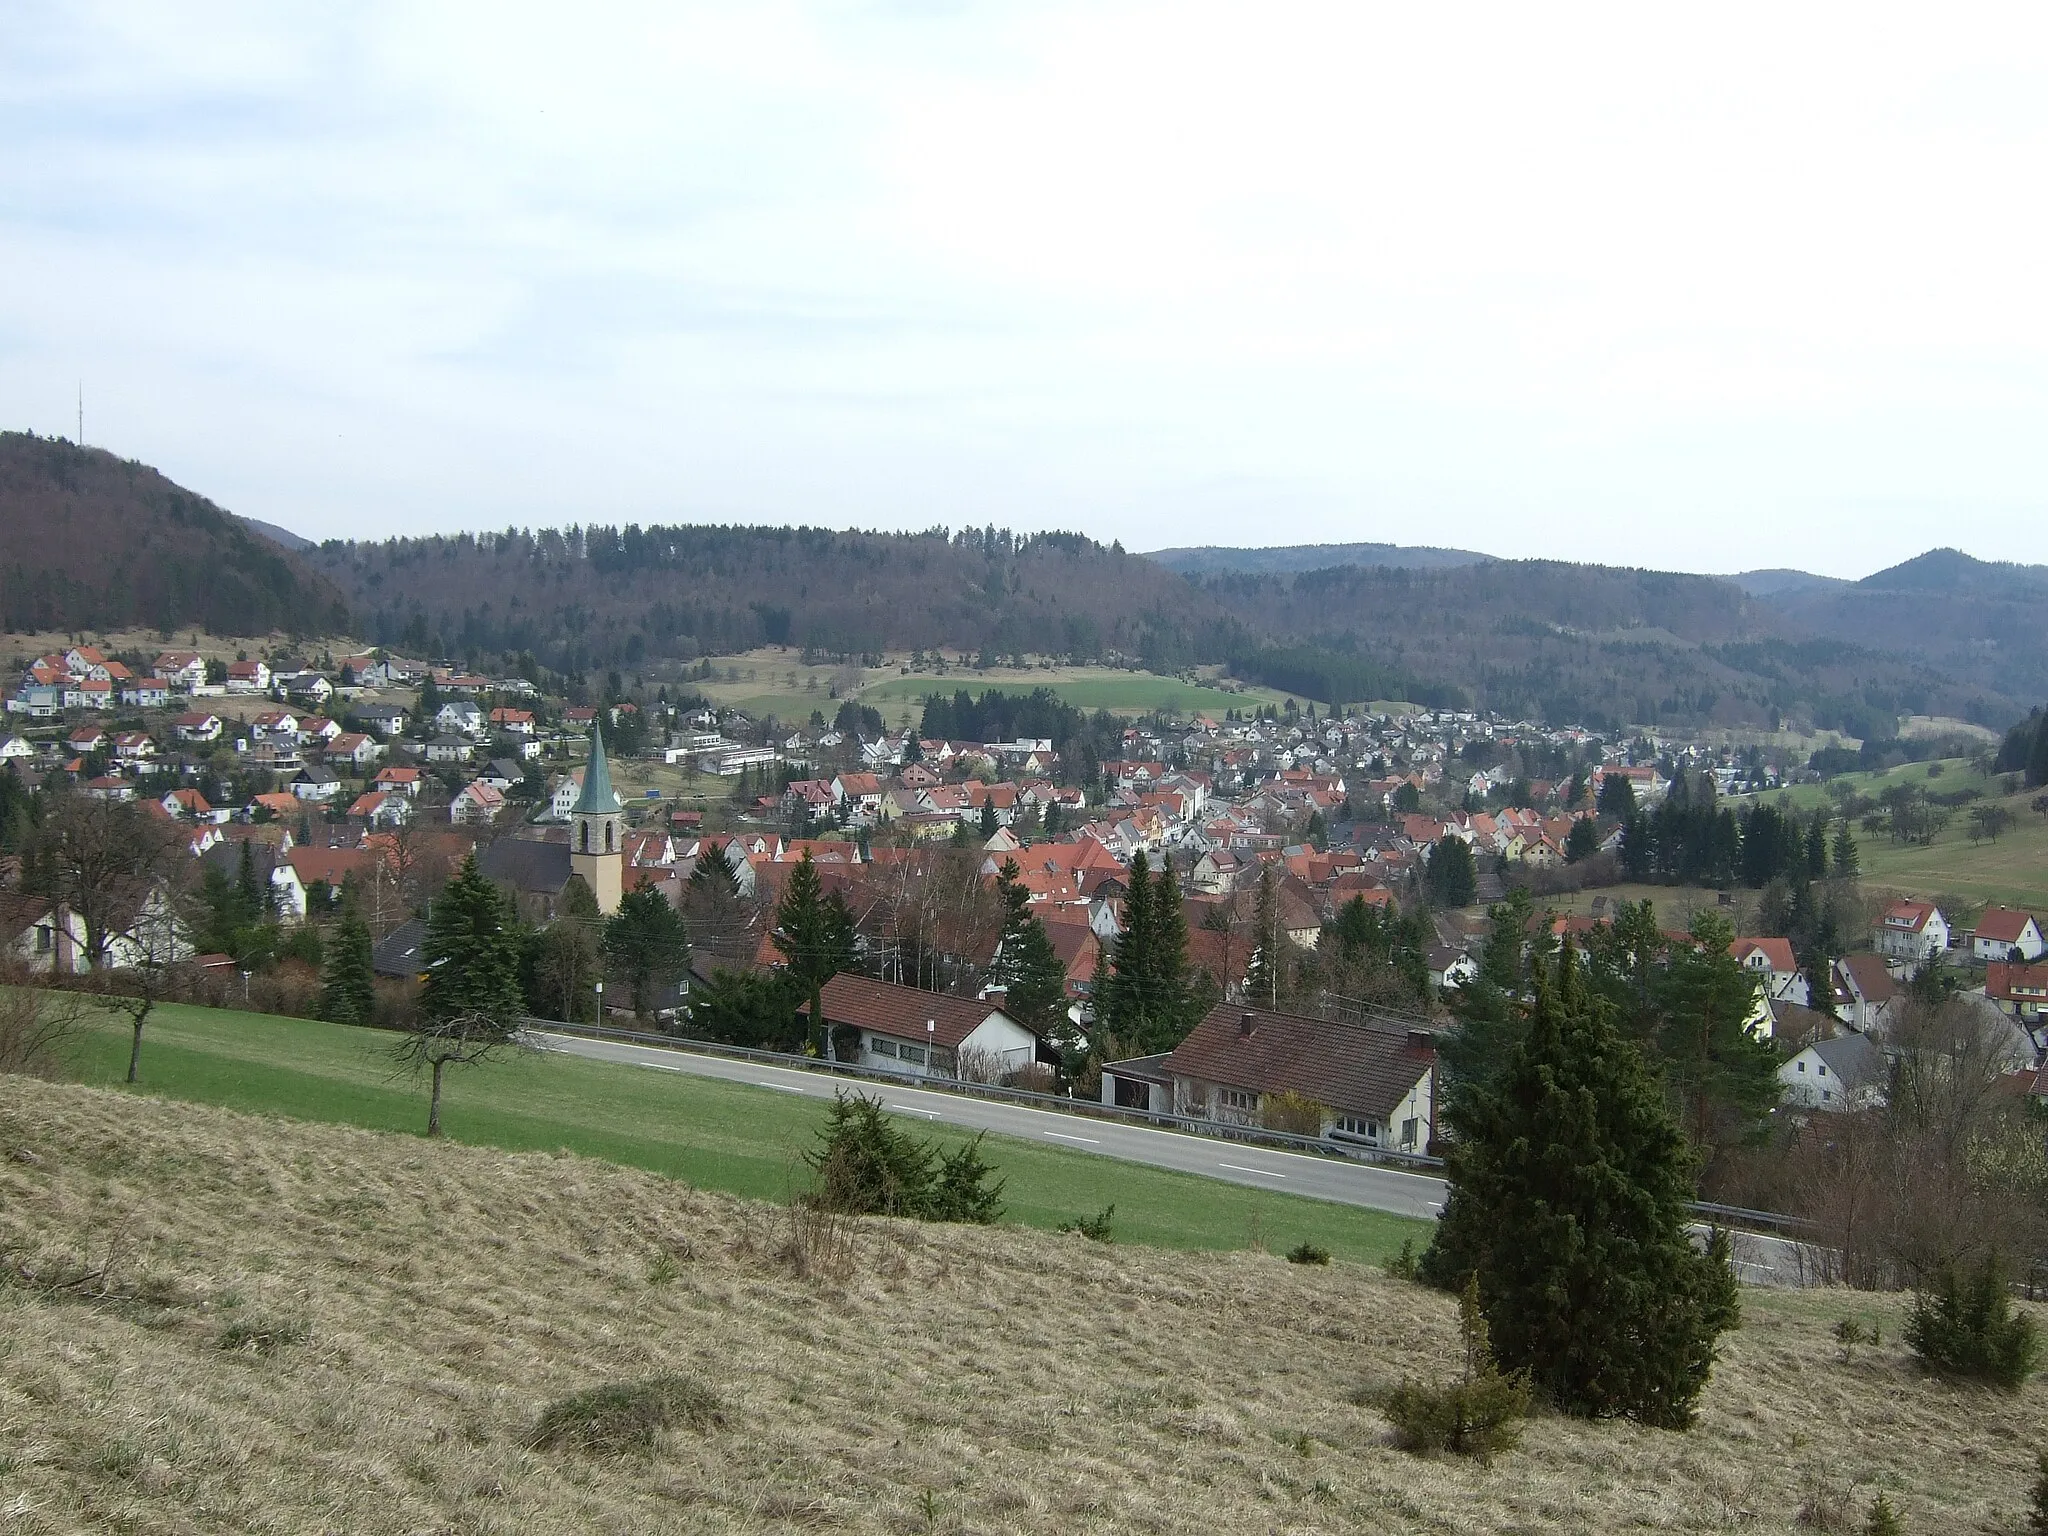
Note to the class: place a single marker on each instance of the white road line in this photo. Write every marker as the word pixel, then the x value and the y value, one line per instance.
pixel 1063 1136
pixel 785 1087
pixel 1261 1172
pixel 907 1109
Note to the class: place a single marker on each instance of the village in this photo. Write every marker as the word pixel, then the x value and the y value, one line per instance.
pixel 378 774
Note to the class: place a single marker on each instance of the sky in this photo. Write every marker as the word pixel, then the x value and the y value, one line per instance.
pixel 1706 289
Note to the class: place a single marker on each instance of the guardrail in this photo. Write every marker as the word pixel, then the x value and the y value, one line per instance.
pixel 1054 1103
pixel 1731 1216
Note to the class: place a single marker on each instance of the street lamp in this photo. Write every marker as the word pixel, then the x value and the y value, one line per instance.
pixel 245 989
pixel 931 1045
pixel 600 1002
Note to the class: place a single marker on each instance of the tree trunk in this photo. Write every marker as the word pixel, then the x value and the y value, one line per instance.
pixel 135 1048
pixel 434 1105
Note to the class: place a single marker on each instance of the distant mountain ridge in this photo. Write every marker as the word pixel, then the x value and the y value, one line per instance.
pixel 1214 559
pixel 98 542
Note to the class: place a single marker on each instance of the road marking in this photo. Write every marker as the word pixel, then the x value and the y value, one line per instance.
pixel 785 1087
pixel 1088 1140
pixel 906 1109
pixel 1263 1173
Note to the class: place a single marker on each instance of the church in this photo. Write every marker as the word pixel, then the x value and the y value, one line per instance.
pixel 536 870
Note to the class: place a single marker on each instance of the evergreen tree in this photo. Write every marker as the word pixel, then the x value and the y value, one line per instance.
pixel 2037 759
pixel 471 952
pixel 348 992
pixel 1817 849
pixel 1723 1079
pixel 646 946
pixel 563 958
pixel 1583 841
pixel 1034 981
pixel 1847 860
pixel 1569 1186
pixel 988 819
pixel 1265 971
pixel 815 938
pixel 1147 1004
pixel 1451 879
pixel 1617 796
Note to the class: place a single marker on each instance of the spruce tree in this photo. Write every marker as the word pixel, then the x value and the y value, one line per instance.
pixel 1569 1185
pixel 348 992
pixel 646 946
pixel 1848 861
pixel 815 938
pixel 2037 759
pixel 1262 972
pixel 472 952
pixel 1817 849
pixel 1034 981
pixel 1451 878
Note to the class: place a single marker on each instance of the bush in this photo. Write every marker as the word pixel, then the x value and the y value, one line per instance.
pixel 1292 1113
pixel 1404 1265
pixel 624 1416
pixel 1883 1519
pixel 1095 1228
pixel 1477 1415
pixel 1966 1326
pixel 867 1167
pixel 1308 1253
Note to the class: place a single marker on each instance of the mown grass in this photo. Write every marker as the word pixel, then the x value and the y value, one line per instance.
pixel 715 1135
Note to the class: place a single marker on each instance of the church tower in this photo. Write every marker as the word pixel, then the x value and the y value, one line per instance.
pixel 597 831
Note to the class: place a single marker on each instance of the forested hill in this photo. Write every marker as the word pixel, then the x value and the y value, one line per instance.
pixel 602 596
pixel 1607 645
pixel 1218 559
pixel 98 542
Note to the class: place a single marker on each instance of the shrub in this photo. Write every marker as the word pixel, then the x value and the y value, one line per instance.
pixel 1478 1414
pixel 624 1416
pixel 1849 1333
pixel 1404 1265
pixel 1293 1113
pixel 1308 1253
pixel 867 1167
pixel 1883 1520
pixel 962 1191
pixel 1095 1228
pixel 1965 1326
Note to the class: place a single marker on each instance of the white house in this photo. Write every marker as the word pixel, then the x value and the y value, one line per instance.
pixel 16 749
pixel 1775 967
pixel 1913 931
pixel 184 670
pixel 198 727
pixel 2001 930
pixel 1844 1073
pixel 1373 1083
pixel 476 803
pixel 450 749
pixel 460 715
pixel 248 677
pixel 40 936
pixel 925 1034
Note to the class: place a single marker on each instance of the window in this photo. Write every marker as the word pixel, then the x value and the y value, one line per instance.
pixel 912 1053
pixel 1408 1132
pixel 880 1046
pixel 1823 1070
pixel 1235 1098
pixel 1357 1125
pixel 1802 1066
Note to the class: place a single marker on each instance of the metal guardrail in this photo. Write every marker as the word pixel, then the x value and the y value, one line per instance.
pixel 1053 1103
pixel 1730 1216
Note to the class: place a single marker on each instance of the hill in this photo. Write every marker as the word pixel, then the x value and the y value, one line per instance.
pixel 601 596
pixel 291 1327
pixel 1211 559
pixel 97 542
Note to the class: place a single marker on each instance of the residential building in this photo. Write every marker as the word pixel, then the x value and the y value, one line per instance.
pixel 1841 1074
pixel 2020 989
pixel 1912 931
pixel 476 803
pixel 248 677
pixel 924 1034
pixel 2001 930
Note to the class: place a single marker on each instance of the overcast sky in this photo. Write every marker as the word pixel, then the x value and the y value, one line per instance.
pixel 1707 288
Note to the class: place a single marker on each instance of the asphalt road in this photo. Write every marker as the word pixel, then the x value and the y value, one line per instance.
pixel 1759 1260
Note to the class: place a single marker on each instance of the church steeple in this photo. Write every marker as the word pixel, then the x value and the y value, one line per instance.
pixel 597 848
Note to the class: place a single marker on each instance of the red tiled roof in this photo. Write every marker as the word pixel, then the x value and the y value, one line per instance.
pixel 2002 925
pixel 901 1012
pixel 1361 1068
pixel 1777 951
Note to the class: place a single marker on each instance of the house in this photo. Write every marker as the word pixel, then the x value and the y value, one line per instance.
pixel 450 749
pixel 40 935
pixel 385 720
pixel 1844 1073
pixel 146 692
pixel 515 722
pixel 198 726
pixel 381 808
pixel 87 738
pixel 1373 1083
pixel 1913 931
pixel 476 803
pixel 316 784
pixel 926 1034
pixel 501 773
pixel 401 954
pixel 133 746
pixel 2001 930
pixel 1865 993
pixel 460 715
pixel 15 749
pixel 353 747
pixel 183 670
pixel 89 693
pixel 38 700
pixel 1772 962
pixel 248 677
pixel 189 804
pixel 110 786
pixel 399 780
pixel 305 685
pixel 1451 967
pixel 2019 989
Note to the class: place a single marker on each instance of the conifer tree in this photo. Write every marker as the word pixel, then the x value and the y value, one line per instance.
pixel 1848 862
pixel 1817 849
pixel 2037 759
pixel 1034 981
pixel 815 938
pixel 348 992
pixel 1569 1185
pixel 471 952
pixel 1451 877
pixel 1263 978
pixel 646 946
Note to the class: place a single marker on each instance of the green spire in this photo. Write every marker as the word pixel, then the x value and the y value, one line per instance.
pixel 597 798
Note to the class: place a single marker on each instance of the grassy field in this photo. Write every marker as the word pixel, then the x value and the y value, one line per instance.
pixel 302 1327
pixel 2013 870
pixel 775 682
pixel 724 1136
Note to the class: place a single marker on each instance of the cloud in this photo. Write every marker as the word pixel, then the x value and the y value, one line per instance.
pixel 1752 289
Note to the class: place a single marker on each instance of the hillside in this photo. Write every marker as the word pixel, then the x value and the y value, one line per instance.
pixel 599 596
pixel 96 542
pixel 308 1328
pixel 1605 644
pixel 1214 559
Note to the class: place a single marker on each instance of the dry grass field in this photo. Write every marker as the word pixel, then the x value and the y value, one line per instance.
pixel 283 1327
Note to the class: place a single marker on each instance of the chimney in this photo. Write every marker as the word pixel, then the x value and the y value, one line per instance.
pixel 1245 1025
pixel 1422 1039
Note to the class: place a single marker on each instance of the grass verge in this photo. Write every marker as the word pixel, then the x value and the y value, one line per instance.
pixel 715 1135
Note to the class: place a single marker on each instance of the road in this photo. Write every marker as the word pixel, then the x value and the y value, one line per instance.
pixel 1759 1260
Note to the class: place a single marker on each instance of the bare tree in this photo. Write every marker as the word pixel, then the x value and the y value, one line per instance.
pixel 36 1026
pixel 434 1045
